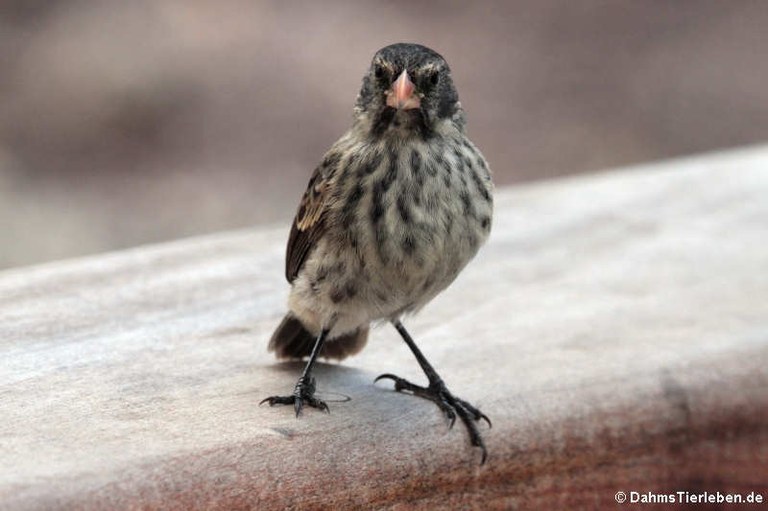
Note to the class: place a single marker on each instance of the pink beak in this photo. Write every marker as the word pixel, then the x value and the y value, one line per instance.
pixel 401 94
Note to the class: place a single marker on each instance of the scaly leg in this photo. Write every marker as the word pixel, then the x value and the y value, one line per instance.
pixel 304 392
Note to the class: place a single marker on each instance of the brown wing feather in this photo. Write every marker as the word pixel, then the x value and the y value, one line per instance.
pixel 308 226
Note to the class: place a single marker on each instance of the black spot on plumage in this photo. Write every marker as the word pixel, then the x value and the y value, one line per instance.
pixel 356 194
pixel 350 290
pixel 480 187
pixel 370 166
pixel 438 157
pixel 484 166
pixel 408 245
pixel 486 194
pixel 392 169
pixel 485 222
pixel 331 160
pixel 377 203
pixel 447 180
pixel 402 208
pixel 381 233
pixel 466 203
pixel 337 295
pixel 459 160
pixel 415 161
pixel 416 167
pixel 349 210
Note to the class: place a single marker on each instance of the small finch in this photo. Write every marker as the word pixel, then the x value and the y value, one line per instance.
pixel 398 206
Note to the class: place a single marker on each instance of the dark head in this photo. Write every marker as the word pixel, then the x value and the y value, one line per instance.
pixel 408 90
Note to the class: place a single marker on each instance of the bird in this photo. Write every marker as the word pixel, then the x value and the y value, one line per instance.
pixel 395 210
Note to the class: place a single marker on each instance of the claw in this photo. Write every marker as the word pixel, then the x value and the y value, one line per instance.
pixel 386 376
pixel 449 404
pixel 274 400
pixel 297 404
pixel 303 393
pixel 452 418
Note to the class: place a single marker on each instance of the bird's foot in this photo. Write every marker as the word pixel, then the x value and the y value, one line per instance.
pixel 303 394
pixel 451 406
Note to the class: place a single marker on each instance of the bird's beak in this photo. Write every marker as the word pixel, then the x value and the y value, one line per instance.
pixel 401 94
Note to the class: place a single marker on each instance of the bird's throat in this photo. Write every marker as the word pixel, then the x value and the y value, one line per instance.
pixel 400 123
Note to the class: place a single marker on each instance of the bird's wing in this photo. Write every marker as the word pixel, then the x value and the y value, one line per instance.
pixel 309 225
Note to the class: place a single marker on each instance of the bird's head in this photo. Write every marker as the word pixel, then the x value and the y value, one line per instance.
pixel 408 91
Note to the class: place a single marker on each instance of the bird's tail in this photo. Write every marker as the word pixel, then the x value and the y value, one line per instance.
pixel 292 340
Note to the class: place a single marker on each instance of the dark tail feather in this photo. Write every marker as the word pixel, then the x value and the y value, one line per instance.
pixel 292 340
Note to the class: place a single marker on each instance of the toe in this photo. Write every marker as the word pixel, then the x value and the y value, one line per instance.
pixel 386 376
pixel 297 405
pixel 451 417
pixel 485 454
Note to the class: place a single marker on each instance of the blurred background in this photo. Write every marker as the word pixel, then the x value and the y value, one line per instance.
pixel 123 123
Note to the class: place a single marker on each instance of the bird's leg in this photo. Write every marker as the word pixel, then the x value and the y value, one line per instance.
pixel 437 392
pixel 304 392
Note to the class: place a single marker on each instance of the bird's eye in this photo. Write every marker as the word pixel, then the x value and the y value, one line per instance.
pixel 434 77
pixel 378 71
